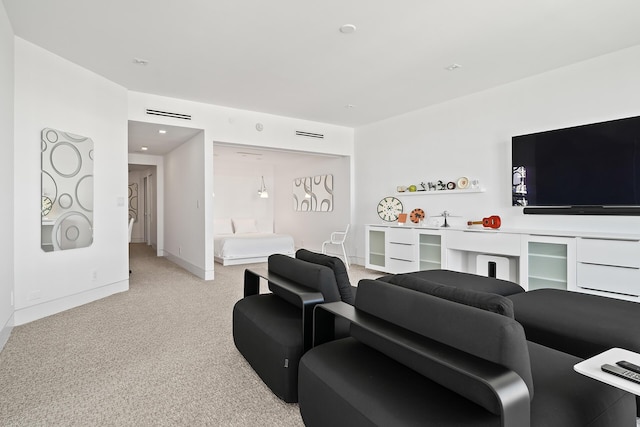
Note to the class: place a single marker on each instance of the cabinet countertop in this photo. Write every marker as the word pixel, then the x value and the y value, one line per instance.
pixel 528 231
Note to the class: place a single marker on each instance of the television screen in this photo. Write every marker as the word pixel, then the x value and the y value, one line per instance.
pixel 595 165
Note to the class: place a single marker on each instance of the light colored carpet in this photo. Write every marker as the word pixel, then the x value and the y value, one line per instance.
pixel 161 354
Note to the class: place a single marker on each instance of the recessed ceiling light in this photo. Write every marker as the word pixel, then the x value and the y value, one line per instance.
pixel 140 61
pixel 348 29
pixel 162 131
pixel 349 106
pixel 144 148
pixel 453 67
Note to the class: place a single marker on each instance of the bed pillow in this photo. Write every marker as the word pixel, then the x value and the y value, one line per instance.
pixel 244 225
pixel 222 226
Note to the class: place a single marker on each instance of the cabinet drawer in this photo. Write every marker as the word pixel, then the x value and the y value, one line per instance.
pixel 484 242
pixel 397 266
pixel 609 279
pixel 401 251
pixel 398 235
pixel 609 252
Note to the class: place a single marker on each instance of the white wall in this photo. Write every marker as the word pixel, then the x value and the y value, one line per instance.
pixel 230 126
pixel 53 92
pixel 185 207
pixel 236 186
pixel 310 229
pixel 471 137
pixel 6 176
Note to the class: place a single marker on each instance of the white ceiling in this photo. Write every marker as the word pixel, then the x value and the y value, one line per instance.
pixel 288 57
pixel 148 135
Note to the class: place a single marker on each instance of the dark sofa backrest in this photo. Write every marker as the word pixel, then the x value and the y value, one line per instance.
pixel 484 300
pixel 314 276
pixel 453 278
pixel 484 334
pixel 339 270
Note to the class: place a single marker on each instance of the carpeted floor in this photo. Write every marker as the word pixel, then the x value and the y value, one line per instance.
pixel 161 354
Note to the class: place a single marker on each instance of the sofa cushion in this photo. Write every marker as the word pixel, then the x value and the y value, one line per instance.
pixel 339 270
pixel 267 331
pixel 363 387
pixel 465 281
pixel 492 337
pixel 314 276
pixel 565 398
pixel 484 300
pixel 346 383
pixel 579 324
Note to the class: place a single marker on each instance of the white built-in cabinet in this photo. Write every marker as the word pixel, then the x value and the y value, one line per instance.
pixel 601 264
pixel 402 249
pixel 605 266
pixel 550 262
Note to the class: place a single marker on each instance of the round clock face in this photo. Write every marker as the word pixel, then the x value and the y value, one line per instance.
pixel 416 215
pixel 389 208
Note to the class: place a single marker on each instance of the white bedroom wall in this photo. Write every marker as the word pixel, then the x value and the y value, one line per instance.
pixel 53 92
pixel 310 229
pixel 471 137
pixel 6 176
pixel 236 187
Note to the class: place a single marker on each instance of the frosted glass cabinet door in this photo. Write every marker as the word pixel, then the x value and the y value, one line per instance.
pixel 431 251
pixel 550 263
pixel 375 248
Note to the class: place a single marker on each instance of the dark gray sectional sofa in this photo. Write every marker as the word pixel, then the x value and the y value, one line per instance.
pixel 423 353
pixel 273 330
pixel 430 348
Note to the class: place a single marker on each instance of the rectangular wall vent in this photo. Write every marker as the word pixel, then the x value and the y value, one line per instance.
pixel 167 114
pixel 309 134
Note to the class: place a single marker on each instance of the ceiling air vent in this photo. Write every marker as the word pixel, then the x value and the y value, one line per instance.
pixel 309 134
pixel 167 114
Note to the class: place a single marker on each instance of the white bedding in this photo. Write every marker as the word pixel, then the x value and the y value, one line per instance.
pixel 230 249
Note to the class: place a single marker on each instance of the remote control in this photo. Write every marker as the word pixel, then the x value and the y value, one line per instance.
pixel 622 373
pixel 629 366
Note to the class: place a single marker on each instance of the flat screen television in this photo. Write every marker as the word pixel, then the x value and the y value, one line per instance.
pixel 592 169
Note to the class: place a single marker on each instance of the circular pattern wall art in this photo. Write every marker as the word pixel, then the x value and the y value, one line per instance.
pixel 67 190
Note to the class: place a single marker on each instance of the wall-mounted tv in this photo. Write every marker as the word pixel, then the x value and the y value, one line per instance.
pixel 592 169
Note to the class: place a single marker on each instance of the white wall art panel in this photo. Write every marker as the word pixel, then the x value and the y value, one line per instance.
pixel 313 193
pixel 67 190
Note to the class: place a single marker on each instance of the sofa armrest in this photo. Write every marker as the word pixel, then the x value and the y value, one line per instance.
pixel 301 296
pixel 509 389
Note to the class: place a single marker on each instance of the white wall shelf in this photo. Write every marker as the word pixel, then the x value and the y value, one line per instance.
pixel 437 192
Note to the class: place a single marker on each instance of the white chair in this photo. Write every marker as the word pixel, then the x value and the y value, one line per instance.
pixel 130 228
pixel 338 238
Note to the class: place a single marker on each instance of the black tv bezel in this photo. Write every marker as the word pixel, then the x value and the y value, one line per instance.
pixel 619 210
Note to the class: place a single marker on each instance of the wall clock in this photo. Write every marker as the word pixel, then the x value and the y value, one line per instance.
pixel 416 215
pixel 389 208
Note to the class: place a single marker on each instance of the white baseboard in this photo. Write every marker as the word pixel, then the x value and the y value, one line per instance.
pixel 194 269
pixel 5 332
pixel 35 312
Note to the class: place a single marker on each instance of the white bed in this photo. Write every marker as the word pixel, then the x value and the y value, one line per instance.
pixel 245 244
